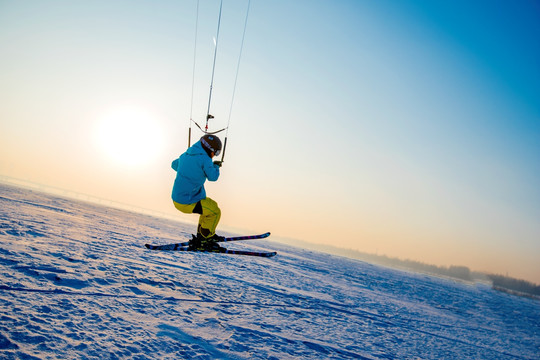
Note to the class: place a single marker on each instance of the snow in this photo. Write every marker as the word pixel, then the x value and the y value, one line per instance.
pixel 77 283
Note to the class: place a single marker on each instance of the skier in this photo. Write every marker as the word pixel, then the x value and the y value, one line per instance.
pixel 188 194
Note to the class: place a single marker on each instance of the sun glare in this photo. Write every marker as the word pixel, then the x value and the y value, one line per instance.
pixel 129 136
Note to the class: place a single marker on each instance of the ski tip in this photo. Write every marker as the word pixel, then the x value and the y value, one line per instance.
pixel 148 246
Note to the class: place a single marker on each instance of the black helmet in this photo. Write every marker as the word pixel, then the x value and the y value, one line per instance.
pixel 211 143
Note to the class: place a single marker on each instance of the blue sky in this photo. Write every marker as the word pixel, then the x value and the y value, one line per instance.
pixel 407 128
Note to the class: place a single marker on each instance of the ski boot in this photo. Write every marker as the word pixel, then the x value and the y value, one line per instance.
pixel 195 244
pixel 212 243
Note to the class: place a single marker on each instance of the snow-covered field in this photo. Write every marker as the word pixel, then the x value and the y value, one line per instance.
pixel 77 283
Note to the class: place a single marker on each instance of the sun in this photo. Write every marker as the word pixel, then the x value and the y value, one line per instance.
pixel 129 136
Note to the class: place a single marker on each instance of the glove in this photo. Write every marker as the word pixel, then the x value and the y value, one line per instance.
pixel 218 163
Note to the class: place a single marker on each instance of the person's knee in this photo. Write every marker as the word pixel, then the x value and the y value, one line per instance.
pixel 210 206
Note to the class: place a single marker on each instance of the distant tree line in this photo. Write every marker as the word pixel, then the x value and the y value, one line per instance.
pixel 453 271
pixel 499 282
pixel 520 286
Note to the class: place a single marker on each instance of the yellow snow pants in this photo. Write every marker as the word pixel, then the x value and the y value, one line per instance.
pixel 208 220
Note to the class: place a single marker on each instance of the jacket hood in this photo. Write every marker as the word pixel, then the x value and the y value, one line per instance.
pixel 196 149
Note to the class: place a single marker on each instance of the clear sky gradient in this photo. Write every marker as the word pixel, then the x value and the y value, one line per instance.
pixel 406 128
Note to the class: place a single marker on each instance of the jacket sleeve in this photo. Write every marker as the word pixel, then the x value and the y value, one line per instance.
pixel 174 164
pixel 211 170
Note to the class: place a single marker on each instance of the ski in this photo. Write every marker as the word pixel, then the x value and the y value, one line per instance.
pixel 186 243
pixel 177 247
pixel 247 237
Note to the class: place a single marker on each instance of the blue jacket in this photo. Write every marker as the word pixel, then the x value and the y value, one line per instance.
pixel 192 169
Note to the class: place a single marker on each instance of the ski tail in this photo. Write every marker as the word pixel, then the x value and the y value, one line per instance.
pixel 172 247
pixel 250 253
